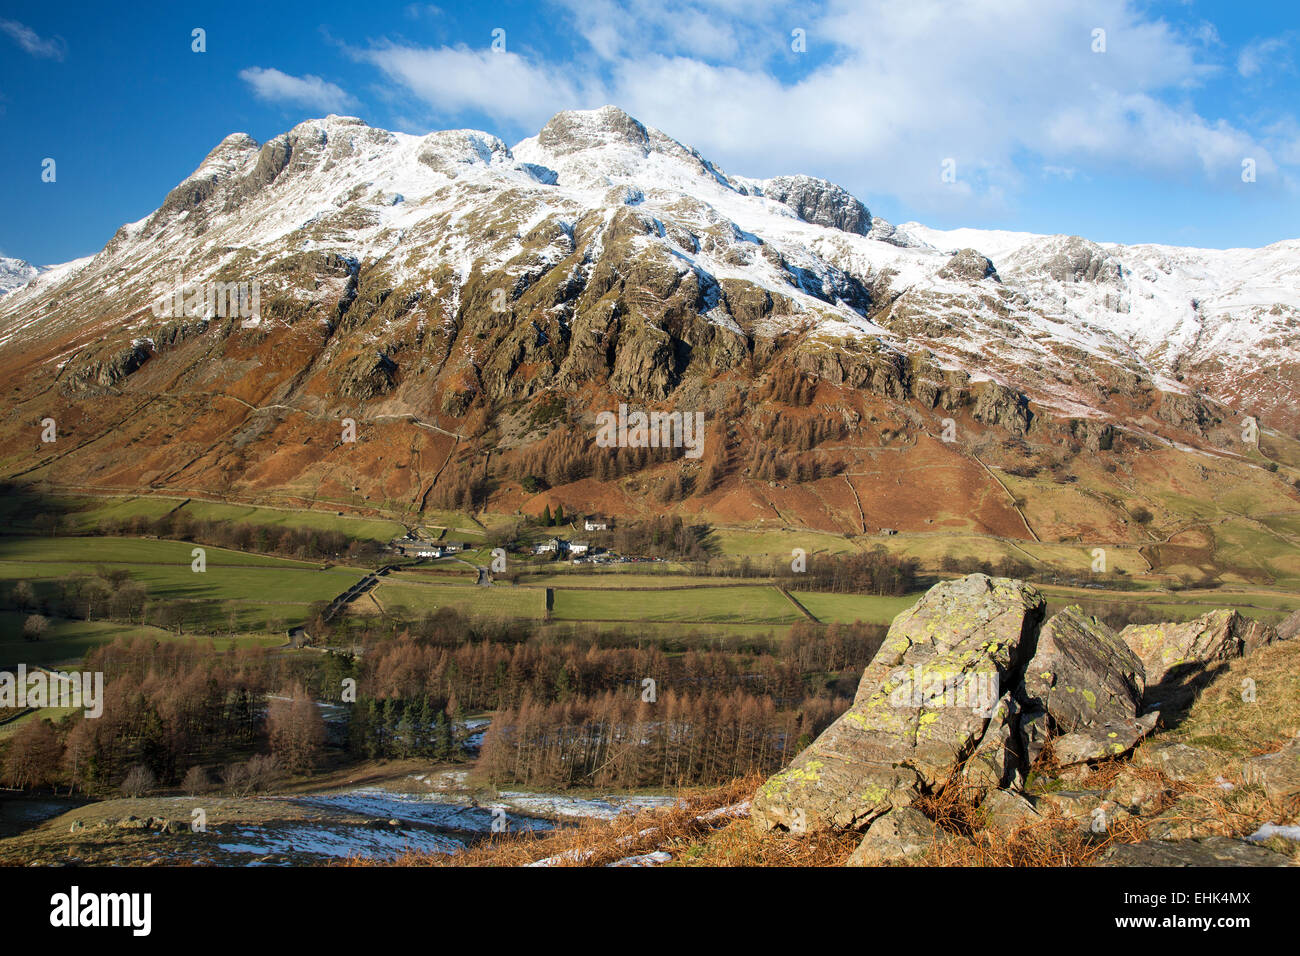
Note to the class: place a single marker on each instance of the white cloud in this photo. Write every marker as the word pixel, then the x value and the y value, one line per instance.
pixel 310 91
pixel 1284 140
pixel 1272 54
pixel 887 91
pixel 714 30
pixel 27 38
pixel 503 85
pixel 1207 34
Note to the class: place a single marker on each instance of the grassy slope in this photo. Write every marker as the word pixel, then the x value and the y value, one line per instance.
pixel 741 605
pixel 403 590
pixel 261 590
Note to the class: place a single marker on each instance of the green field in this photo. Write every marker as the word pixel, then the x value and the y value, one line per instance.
pixel 847 608
pixel 372 529
pixel 37 551
pixel 66 641
pixel 403 590
pixel 613 579
pixel 709 605
pixel 737 543
pixel 1182 606
pixel 261 593
pixel 438 570
pixel 53 714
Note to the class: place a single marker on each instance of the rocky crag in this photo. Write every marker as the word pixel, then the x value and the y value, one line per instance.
pixel 975 687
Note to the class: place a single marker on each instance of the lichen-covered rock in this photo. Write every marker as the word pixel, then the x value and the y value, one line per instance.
pixel 1090 809
pixel 1278 773
pixel 898 835
pixel 1090 684
pixel 1005 810
pixel 1177 761
pixel 1137 792
pixel 1213 851
pixel 999 758
pixel 1111 739
pixel 1220 635
pixel 922 706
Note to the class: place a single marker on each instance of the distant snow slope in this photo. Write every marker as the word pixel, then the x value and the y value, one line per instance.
pixel 15 273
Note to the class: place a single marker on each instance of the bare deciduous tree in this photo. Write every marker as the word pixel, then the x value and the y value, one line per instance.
pixel 34 627
pixel 139 781
pixel 195 781
pixel 296 730
pixel 33 756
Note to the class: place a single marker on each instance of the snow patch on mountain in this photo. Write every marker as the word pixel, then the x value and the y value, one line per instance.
pixel 15 273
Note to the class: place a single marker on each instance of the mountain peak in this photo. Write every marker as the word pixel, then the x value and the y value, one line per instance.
pixel 15 273
pixel 819 201
pixel 572 131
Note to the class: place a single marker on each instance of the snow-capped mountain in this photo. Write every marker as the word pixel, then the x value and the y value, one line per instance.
pixel 15 273
pixel 456 203
pixel 418 276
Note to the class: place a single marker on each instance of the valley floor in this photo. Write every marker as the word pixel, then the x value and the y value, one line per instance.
pixel 424 813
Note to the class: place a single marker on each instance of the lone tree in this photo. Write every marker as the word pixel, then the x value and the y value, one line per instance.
pixel 196 781
pixel 24 596
pixel 34 627
pixel 139 781
pixel 296 730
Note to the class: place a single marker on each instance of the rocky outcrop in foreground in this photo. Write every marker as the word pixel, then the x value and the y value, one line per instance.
pixel 924 703
pixel 971 686
pixel 1170 649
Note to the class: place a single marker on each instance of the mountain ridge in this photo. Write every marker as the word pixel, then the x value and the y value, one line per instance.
pixel 451 285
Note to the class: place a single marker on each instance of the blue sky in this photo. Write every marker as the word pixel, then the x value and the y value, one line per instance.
pixel 1140 142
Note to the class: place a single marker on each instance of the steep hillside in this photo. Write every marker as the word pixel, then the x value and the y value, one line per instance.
pixel 473 307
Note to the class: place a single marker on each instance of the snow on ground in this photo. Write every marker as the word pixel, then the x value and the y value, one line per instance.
pixel 654 858
pixel 1271 830
pixel 445 811
pixel 562 806
pixel 442 821
pixel 645 859
pixel 339 841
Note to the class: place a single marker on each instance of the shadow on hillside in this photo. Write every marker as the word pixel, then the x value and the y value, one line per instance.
pixel 24 509
pixel 1174 695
